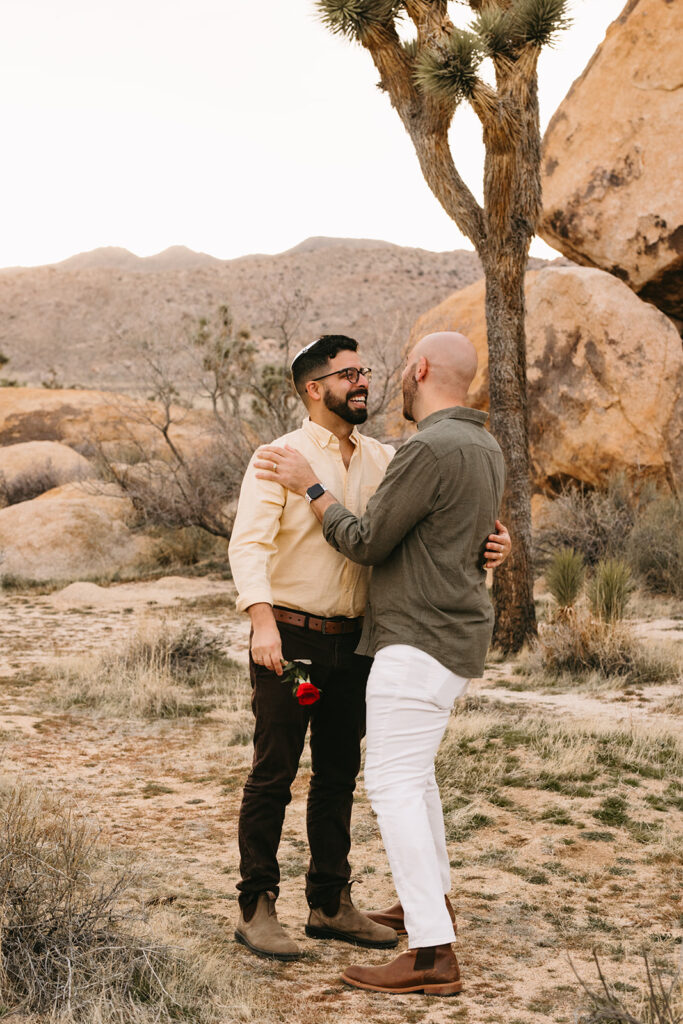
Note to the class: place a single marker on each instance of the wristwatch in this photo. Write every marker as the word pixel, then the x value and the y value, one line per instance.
pixel 316 491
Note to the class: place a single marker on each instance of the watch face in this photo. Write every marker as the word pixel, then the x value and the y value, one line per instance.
pixel 315 491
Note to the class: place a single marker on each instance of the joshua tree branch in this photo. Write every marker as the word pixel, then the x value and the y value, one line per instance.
pixel 426 120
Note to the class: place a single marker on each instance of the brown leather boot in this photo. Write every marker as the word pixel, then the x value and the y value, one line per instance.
pixel 433 970
pixel 347 924
pixel 393 917
pixel 260 931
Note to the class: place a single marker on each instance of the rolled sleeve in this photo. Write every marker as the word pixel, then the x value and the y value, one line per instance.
pixel 405 496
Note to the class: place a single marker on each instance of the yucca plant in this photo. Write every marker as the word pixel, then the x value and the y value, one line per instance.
pixel 565 576
pixel 609 589
pixel 425 80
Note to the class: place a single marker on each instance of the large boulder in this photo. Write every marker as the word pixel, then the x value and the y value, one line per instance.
pixel 125 428
pixel 605 373
pixel 72 532
pixel 29 469
pixel 612 169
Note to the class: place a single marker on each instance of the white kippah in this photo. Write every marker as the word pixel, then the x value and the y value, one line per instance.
pixel 303 351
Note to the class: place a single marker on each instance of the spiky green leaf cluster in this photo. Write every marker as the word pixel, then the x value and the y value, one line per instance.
pixel 539 21
pixel 495 30
pixel 504 32
pixel 355 18
pixel 451 72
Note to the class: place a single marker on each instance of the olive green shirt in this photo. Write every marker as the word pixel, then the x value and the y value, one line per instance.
pixel 424 531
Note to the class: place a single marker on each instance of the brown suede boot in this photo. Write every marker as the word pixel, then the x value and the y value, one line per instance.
pixel 260 931
pixel 348 925
pixel 433 970
pixel 393 917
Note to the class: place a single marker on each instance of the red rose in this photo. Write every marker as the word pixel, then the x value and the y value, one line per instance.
pixel 307 693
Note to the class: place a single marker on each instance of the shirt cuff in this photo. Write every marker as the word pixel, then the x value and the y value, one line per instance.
pixel 254 595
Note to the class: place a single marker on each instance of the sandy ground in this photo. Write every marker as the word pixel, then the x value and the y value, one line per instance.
pixel 169 792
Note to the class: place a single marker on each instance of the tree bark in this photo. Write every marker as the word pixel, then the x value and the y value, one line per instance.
pixel 513 582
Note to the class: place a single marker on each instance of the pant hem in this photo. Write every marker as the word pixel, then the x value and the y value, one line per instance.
pixel 435 939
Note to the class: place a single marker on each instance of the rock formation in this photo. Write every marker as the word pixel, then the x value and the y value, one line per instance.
pixel 605 373
pixel 69 533
pixel 84 419
pixel 612 169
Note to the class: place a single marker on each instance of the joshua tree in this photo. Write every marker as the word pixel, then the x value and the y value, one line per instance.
pixel 425 79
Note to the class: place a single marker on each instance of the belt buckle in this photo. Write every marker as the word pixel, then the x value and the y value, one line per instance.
pixel 323 627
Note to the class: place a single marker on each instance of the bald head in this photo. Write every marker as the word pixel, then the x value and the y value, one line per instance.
pixel 451 359
pixel 438 373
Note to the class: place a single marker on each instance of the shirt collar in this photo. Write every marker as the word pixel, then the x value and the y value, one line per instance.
pixel 456 412
pixel 324 437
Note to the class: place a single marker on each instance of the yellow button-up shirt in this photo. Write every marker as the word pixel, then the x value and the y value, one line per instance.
pixel 278 554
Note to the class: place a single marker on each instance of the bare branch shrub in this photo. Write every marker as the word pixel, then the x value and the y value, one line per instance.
pixel 593 522
pixel 645 528
pixel 65 939
pixel 655 546
pixel 660 1000
pixel 29 484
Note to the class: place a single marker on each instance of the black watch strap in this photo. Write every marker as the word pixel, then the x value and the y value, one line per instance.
pixel 316 491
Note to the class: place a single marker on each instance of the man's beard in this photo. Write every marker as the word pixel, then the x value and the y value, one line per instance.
pixel 341 407
pixel 409 388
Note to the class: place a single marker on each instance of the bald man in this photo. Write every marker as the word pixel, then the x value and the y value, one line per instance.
pixel 428 625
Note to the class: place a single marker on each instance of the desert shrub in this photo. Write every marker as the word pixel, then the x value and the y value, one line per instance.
pixel 565 575
pixel 66 944
pixel 580 644
pixel 592 522
pixel 655 546
pixel 610 589
pixel 28 485
pixel 659 1000
pixel 645 528
pixel 163 671
pixel 188 546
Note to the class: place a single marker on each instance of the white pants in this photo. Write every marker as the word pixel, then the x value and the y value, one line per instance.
pixel 409 700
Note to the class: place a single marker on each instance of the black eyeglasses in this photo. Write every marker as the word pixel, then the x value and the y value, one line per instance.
pixel 351 373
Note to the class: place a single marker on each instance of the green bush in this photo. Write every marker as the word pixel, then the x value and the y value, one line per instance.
pixel 609 589
pixel 565 575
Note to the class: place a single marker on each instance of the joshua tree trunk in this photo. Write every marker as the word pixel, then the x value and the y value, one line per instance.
pixel 425 79
pixel 513 582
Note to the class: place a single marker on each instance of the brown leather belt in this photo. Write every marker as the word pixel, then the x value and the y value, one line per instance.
pixel 329 627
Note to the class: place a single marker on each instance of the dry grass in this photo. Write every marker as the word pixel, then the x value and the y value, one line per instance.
pixel 657 1000
pixel 68 949
pixel 80 944
pixel 575 646
pixel 165 670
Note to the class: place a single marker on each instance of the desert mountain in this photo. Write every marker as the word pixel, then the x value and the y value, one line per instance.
pixel 87 317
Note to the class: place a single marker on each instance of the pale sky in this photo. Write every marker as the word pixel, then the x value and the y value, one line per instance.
pixel 228 126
